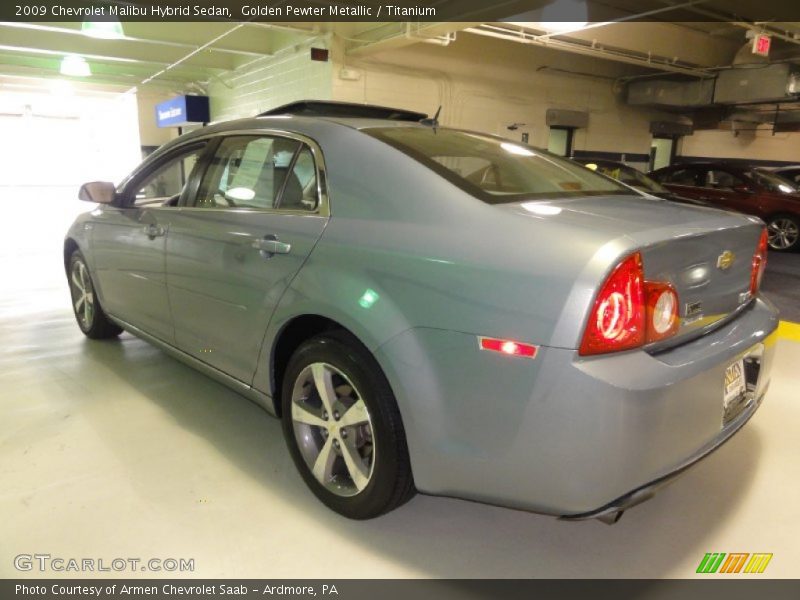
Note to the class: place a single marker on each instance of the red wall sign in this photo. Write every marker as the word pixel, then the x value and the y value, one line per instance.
pixel 761 44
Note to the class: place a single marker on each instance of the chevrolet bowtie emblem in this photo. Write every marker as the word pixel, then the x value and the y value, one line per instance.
pixel 725 260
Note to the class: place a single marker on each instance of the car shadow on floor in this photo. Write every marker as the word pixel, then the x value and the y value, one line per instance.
pixel 438 536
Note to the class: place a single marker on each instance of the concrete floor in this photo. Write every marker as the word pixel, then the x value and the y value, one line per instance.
pixel 113 449
pixel 782 283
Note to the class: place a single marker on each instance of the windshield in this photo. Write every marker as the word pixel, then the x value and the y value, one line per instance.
pixel 493 169
pixel 774 183
pixel 628 176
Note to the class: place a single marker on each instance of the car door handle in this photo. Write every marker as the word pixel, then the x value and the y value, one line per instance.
pixel 270 245
pixel 154 231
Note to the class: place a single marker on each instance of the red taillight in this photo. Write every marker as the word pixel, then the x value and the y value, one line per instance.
pixel 617 319
pixel 509 347
pixel 759 263
pixel 629 311
pixel 662 310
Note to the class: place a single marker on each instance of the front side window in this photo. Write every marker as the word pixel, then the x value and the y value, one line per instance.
pixel 681 177
pixel 493 169
pixel 261 172
pixel 164 186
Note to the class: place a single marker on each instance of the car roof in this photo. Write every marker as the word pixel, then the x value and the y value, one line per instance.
pixel 365 123
pixel 298 124
pixel 329 108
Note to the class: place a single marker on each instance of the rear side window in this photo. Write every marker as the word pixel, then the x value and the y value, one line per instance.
pixel 300 190
pixel 493 169
pixel 253 172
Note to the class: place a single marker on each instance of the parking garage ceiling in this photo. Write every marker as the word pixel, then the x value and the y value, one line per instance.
pixel 181 55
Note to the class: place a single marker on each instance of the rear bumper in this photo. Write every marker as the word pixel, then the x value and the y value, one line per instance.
pixel 611 512
pixel 566 435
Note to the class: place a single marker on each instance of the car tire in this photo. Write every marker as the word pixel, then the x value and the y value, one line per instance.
pixel 784 233
pixel 348 443
pixel 90 316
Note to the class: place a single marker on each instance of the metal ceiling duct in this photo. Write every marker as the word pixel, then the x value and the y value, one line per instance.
pixel 745 84
pixel 779 82
pixel 669 93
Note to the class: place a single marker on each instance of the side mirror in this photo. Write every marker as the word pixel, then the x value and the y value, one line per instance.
pixel 101 192
pixel 742 188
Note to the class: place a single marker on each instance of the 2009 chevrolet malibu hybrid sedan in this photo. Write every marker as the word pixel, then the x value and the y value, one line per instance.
pixel 434 309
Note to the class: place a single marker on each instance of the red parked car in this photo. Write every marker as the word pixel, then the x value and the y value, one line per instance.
pixel 753 191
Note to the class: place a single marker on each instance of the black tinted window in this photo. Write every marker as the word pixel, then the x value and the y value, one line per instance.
pixel 718 179
pixel 680 177
pixel 778 183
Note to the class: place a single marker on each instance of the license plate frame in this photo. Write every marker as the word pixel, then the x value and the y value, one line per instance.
pixel 734 390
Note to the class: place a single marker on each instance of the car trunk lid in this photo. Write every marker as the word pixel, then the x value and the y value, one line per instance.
pixel 705 253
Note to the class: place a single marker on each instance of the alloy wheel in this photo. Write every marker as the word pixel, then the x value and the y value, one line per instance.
pixel 333 429
pixel 783 233
pixel 82 294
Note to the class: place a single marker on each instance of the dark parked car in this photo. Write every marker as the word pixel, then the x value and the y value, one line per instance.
pixel 753 191
pixel 636 179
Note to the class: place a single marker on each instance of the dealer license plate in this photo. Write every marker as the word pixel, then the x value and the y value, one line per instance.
pixel 735 386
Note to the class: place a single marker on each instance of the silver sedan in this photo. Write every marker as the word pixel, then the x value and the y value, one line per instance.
pixel 436 310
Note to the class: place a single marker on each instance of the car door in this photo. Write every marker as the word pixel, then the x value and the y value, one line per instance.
pixel 128 242
pixel 235 246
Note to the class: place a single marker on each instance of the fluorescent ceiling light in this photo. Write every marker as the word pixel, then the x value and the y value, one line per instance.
pixel 75 66
pixel 563 26
pixel 104 30
pixel 564 16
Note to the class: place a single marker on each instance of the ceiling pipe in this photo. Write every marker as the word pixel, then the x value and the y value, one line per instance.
pixel 443 40
pixel 187 57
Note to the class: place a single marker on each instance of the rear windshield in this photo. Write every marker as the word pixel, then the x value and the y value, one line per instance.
pixel 773 182
pixel 493 169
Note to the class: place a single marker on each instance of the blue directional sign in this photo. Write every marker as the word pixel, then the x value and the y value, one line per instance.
pixel 182 110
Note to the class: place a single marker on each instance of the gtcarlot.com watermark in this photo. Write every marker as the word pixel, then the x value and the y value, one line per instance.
pixel 45 563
